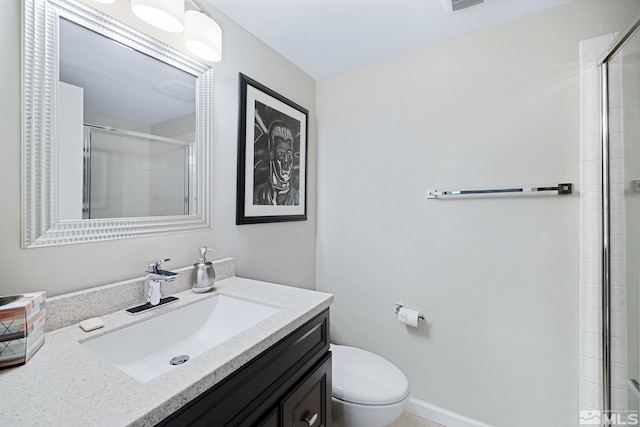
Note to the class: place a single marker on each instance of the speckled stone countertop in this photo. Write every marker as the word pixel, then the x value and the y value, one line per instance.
pixel 65 384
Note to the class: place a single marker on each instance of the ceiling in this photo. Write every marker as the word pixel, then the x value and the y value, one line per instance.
pixel 120 82
pixel 326 37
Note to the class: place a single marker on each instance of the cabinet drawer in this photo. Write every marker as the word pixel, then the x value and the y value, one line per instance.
pixel 309 404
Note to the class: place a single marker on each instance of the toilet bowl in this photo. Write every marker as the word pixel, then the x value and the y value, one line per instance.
pixel 367 391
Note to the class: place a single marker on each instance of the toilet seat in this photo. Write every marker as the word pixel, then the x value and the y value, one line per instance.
pixel 365 378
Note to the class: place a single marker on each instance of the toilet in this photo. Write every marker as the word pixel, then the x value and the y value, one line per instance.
pixel 367 391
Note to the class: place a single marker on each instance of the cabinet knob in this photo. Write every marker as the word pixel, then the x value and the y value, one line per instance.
pixel 310 418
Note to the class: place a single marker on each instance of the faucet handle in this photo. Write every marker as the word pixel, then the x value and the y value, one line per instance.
pixel 154 266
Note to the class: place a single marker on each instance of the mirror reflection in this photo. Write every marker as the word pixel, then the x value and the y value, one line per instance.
pixel 126 129
pixel 117 130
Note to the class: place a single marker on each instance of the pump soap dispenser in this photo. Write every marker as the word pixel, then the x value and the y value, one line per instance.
pixel 204 277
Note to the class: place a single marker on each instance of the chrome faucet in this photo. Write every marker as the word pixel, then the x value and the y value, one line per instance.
pixel 155 278
pixel 156 273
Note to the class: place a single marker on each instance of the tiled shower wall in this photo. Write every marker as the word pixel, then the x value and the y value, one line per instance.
pixel 591 51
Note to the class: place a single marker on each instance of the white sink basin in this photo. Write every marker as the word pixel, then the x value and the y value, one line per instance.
pixel 146 350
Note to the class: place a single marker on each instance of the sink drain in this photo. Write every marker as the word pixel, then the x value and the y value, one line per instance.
pixel 179 360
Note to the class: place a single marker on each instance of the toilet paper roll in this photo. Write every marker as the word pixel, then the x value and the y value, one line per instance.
pixel 408 317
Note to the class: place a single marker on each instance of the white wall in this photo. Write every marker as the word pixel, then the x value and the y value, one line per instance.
pixel 278 252
pixel 70 150
pixel 496 277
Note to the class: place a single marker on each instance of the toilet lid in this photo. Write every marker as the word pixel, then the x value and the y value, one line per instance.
pixel 366 378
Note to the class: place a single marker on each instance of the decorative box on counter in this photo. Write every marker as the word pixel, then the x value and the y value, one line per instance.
pixel 22 320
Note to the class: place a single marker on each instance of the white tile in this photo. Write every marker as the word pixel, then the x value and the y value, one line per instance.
pixel 619 375
pixel 618 324
pixel 590 274
pixel 590 370
pixel 615 91
pixel 616 146
pixel 591 200
pixel 590 172
pixel 590 394
pixel 632 149
pixel 591 345
pixel 616 171
pixel 615 119
pixel 618 350
pixel 591 296
pixel 618 248
pixel 590 122
pixel 590 246
pixel 590 320
pixel 591 49
pixel 618 298
pixel 619 399
pixel 618 271
pixel 617 222
pixel 590 147
pixel 589 96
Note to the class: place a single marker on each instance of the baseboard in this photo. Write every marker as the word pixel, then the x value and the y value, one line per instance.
pixel 440 415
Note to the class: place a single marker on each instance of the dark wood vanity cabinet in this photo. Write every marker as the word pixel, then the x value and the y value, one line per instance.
pixel 289 385
pixel 310 402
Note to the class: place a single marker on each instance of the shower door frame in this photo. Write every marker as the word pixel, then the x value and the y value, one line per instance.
pixel 617 44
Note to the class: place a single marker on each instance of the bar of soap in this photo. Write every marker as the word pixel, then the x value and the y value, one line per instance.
pixel 91 324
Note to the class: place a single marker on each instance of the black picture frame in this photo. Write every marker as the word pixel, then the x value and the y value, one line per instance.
pixel 272 156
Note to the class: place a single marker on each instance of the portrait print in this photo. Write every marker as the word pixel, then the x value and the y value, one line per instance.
pixel 276 164
pixel 272 145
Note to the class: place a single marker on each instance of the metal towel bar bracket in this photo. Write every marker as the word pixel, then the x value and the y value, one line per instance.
pixel 562 189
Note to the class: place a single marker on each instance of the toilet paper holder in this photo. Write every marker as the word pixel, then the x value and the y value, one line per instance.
pixel 399 306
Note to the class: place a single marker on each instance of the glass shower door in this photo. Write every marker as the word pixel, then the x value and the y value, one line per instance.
pixel 624 202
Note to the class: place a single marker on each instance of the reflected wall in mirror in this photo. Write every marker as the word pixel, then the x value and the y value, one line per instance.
pixel 138 115
pixel 117 130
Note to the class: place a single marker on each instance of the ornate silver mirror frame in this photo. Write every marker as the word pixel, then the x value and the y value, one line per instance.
pixel 41 224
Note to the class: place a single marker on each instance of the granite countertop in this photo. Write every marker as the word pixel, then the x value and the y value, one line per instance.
pixel 66 384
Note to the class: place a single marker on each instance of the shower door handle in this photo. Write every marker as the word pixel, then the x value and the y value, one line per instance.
pixel 635 386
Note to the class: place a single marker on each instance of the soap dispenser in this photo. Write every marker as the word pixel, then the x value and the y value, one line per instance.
pixel 204 277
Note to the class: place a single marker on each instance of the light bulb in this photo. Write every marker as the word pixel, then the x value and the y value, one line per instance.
pixel 168 15
pixel 202 36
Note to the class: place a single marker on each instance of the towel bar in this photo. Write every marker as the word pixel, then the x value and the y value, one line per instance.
pixel 562 189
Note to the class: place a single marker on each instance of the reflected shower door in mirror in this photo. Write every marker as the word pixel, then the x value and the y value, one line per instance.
pixel 117 130
pixel 130 174
pixel 139 124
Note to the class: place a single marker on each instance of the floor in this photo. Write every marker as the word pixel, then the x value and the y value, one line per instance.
pixel 410 420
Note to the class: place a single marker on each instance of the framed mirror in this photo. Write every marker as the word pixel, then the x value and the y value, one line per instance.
pixel 117 130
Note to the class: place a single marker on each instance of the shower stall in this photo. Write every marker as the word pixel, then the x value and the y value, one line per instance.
pixel 133 174
pixel 610 228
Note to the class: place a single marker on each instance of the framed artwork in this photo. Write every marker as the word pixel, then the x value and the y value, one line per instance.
pixel 272 156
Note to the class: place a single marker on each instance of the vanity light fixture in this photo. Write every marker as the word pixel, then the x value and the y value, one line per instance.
pixel 202 36
pixel 168 15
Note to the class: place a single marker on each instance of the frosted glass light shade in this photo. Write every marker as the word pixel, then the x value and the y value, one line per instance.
pixel 104 1
pixel 168 15
pixel 203 36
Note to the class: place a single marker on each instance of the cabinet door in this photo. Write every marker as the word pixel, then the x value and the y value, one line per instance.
pixel 309 404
